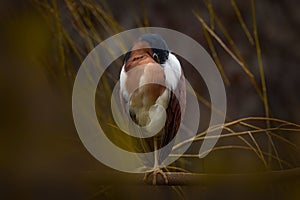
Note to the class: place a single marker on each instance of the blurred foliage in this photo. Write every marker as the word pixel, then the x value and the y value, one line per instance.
pixel 44 43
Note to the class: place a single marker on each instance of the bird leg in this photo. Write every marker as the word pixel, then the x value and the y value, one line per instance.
pixel 156 170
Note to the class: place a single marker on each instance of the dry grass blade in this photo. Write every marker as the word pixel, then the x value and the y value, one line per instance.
pixel 106 21
pixel 211 13
pixel 256 130
pixel 79 24
pixel 206 102
pixel 262 76
pixel 258 151
pixel 233 147
pixel 144 14
pixel 235 49
pixel 223 45
pixel 168 168
pixel 280 138
pixel 59 34
pixel 261 119
pixel 242 22
pixel 216 58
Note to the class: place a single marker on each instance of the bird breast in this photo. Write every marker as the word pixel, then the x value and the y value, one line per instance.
pixel 148 95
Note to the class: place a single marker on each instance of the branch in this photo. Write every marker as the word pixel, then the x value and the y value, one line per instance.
pixel 181 178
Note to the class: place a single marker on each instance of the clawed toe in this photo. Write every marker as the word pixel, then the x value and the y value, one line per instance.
pixel 154 176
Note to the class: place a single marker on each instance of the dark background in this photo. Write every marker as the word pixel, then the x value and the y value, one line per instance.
pixel 41 155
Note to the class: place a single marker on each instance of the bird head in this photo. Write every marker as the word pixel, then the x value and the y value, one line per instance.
pixel 148 48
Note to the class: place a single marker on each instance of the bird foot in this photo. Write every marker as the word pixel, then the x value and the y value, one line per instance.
pixel 154 174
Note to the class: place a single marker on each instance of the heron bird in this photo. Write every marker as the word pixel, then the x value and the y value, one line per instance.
pixel 153 94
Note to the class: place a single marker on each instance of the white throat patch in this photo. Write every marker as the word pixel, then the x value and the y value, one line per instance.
pixel 172 71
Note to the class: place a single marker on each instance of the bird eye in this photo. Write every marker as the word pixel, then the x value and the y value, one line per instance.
pixel 155 57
